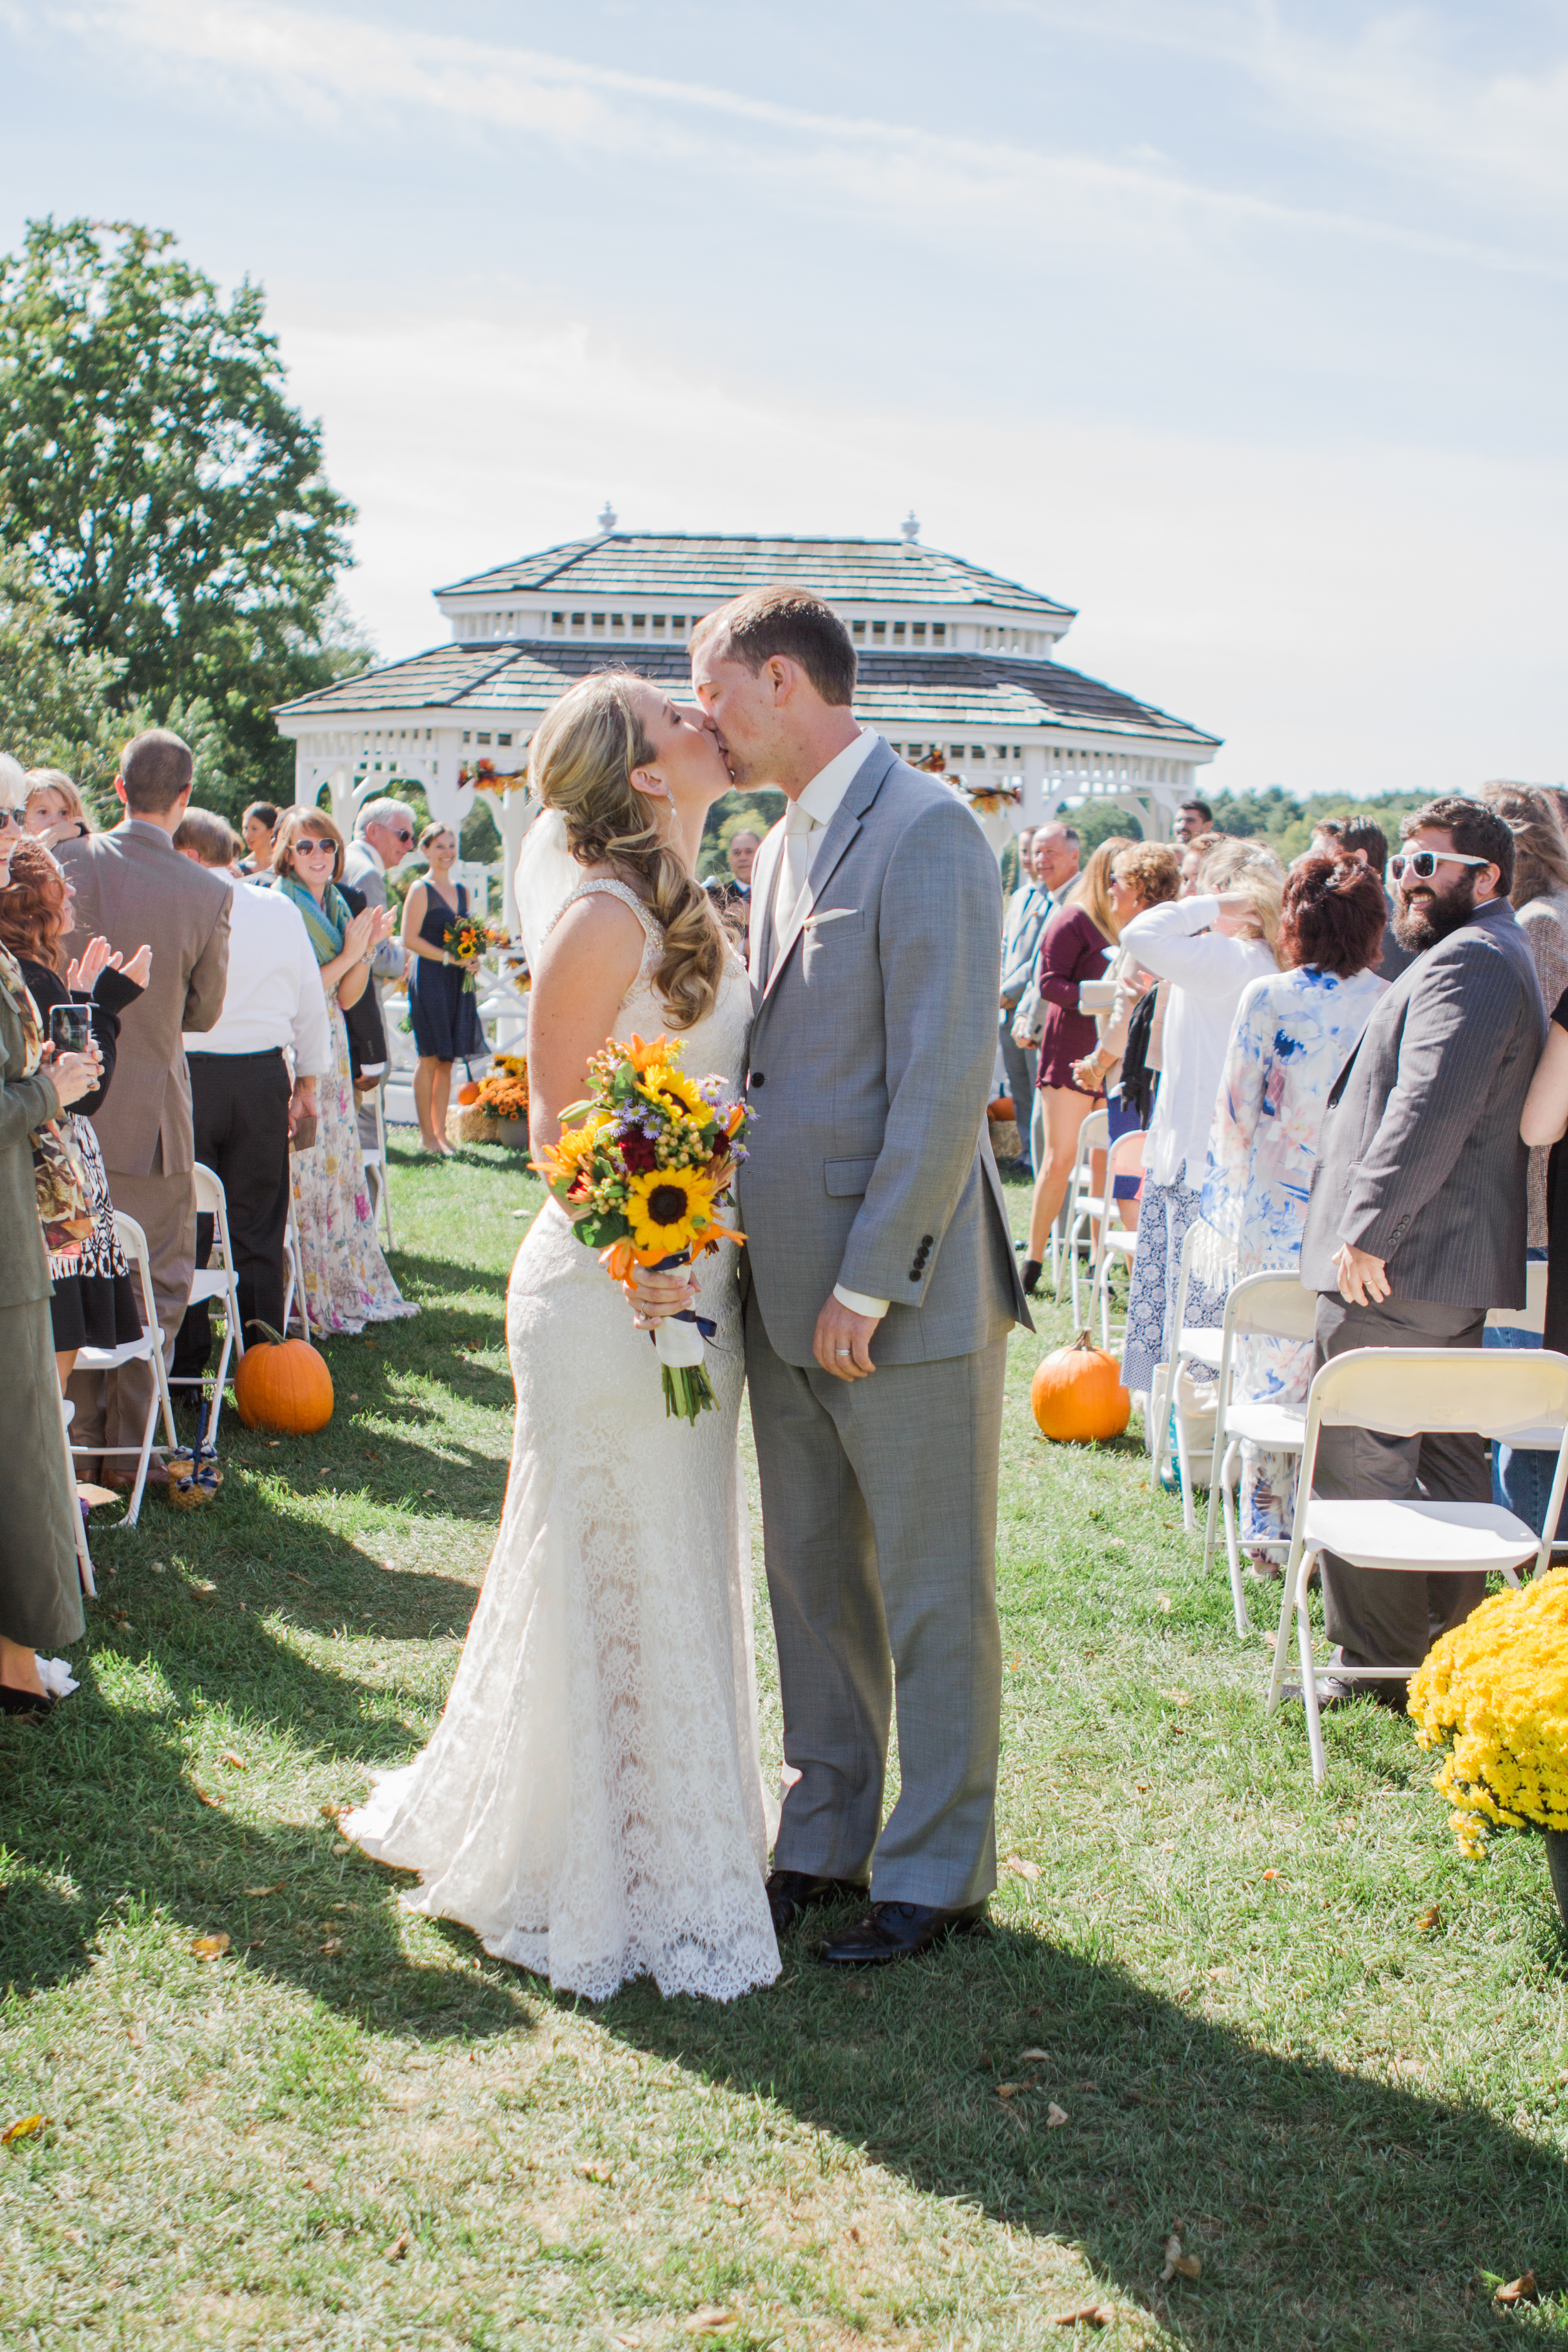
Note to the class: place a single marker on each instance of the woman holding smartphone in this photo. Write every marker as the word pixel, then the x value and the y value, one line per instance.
pixel 94 1303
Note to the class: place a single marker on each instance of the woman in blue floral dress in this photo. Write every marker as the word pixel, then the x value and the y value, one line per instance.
pixel 1293 1032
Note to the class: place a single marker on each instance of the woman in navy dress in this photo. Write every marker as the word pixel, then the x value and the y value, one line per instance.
pixel 445 1014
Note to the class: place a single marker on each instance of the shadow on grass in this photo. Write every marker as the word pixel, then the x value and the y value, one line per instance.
pixel 1327 2207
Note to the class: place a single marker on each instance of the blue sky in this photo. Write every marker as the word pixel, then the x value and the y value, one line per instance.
pixel 1241 327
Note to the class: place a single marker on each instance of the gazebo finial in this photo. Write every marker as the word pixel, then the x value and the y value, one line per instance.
pixel 910 528
pixel 608 518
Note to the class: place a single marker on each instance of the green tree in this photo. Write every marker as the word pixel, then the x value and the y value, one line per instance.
pixel 162 486
pixel 55 699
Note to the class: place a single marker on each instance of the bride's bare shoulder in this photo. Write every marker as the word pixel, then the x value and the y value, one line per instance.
pixel 598 931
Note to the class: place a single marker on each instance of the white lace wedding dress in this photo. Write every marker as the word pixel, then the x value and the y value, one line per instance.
pixel 592 1803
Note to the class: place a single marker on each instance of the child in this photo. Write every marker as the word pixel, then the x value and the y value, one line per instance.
pixel 54 810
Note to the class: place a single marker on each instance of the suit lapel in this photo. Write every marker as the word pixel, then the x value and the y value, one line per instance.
pixel 764 875
pixel 864 786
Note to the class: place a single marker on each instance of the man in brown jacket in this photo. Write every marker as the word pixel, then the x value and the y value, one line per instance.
pixel 132 885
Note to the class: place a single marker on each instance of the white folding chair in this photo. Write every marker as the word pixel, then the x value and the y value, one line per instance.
pixel 1197 1343
pixel 1081 1206
pixel 1403 1392
pixel 1117 1243
pixel 78 1525
pixel 216 1284
pixel 1260 1306
pixel 375 1166
pixel 294 1288
pixel 149 1350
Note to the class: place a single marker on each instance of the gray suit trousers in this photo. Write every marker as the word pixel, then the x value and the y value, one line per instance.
pixel 1382 1617
pixel 879 1537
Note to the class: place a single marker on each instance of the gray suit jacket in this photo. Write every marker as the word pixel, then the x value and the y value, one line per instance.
pixel 132 885
pixel 364 872
pixel 1421 1161
pixel 871 1056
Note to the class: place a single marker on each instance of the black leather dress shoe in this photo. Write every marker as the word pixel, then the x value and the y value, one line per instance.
pixel 791 1892
pixel 896 1931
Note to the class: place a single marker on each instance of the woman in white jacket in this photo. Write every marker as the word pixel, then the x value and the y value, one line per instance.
pixel 1209 946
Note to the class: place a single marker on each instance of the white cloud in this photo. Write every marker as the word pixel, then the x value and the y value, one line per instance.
pixel 341 66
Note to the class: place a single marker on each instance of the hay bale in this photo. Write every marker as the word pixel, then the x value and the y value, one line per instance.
pixel 474 1124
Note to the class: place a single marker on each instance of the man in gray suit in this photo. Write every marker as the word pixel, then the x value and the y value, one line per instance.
pixel 1416 1224
pixel 882 1283
pixel 384 836
pixel 132 885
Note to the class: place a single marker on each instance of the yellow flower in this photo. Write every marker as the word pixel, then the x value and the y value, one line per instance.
pixel 664 1079
pixel 1497 1688
pixel 669 1209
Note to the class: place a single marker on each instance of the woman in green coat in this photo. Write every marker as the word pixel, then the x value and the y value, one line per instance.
pixel 41 1585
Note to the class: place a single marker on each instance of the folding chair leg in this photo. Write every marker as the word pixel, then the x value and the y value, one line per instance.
pixel 1295 1573
pixel 1229 1503
pixel 207 1442
pixel 1183 1462
pixel 384 1203
pixel 1309 1685
pixel 144 1457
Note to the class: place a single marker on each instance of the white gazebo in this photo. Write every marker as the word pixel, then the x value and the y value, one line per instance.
pixel 952 659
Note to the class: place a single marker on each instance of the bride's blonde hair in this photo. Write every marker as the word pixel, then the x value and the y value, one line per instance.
pixel 580 762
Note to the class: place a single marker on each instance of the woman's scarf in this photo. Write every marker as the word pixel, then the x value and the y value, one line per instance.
pixel 59 1180
pixel 325 923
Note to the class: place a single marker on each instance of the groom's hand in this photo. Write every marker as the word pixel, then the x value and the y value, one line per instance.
pixel 842 1344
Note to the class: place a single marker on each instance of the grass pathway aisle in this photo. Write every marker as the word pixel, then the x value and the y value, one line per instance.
pixel 1296 2031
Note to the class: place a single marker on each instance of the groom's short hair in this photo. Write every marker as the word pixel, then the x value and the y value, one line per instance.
pixel 770 621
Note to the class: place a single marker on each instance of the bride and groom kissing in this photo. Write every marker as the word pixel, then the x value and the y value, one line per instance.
pixel 593 1804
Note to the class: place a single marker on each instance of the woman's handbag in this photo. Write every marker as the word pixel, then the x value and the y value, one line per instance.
pixel 59 1180
pixel 1139 1082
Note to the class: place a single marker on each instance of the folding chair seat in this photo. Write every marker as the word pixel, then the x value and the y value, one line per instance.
pixel 216 1284
pixel 148 1348
pixel 1399 1392
pixel 1260 1306
pixel 1117 1244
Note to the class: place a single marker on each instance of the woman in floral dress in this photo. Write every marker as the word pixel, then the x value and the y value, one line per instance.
pixel 348 1283
pixel 1293 1032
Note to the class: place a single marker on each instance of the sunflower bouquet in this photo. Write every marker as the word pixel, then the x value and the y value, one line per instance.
pixel 641 1167
pixel 467 940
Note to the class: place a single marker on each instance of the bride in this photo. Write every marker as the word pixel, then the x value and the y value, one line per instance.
pixel 592 1803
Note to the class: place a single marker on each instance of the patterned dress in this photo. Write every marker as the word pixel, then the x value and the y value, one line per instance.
pixel 348 1283
pixel 1293 1033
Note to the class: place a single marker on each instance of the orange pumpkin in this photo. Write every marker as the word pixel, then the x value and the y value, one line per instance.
pixel 470 1092
pixel 1077 1393
pixel 283 1384
pixel 1002 1108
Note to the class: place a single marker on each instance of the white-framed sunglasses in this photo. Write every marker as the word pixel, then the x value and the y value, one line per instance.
pixel 1422 864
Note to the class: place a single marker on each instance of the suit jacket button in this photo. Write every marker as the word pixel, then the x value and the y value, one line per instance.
pixel 756 1080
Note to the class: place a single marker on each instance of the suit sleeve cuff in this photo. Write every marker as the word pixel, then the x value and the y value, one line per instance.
pixel 859 1304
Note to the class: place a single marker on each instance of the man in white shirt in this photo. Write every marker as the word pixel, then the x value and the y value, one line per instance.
pixel 244 1110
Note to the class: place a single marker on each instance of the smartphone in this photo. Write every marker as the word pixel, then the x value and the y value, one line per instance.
pixel 69 1029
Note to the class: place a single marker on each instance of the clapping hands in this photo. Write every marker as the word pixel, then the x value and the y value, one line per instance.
pixel 98 956
pixel 365 931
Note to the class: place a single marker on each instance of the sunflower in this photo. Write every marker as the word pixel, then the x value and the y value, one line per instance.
pixel 669 1209
pixel 664 1079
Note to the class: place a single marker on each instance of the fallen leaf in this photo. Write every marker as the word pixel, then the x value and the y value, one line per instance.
pixel 710 2320
pixel 1093 2315
pixel 398 2247
pixel 1216 1976
pixel 429 1490
pixel 1177 2264
pixel 596 2172
pixel 1029 1870
pixel 236 1763
pixel 1270 1637
pixel 342 1845
pixel 202 1797
pixel 25 2125
pixel 254 1893
pixel 1010 2090
pixel 1518 2290
pixel 333 1944
pixel 329 1812
pixel 1271 1873
pixel 1028 2057
pixel 274 1441
pixel 1164 1602
pixel 1178 1697
pixel 1431 1920
pixel 1140 1788
pixel 210 1947
pixel 1055 2116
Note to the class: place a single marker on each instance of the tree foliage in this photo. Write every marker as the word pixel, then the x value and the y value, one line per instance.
pixel 163 488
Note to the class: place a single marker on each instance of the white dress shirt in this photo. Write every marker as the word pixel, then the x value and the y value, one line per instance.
pixel 806 821
pixel 274 995
pixel 1210 972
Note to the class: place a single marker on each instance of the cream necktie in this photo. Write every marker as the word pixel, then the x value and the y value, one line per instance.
pixel 794 864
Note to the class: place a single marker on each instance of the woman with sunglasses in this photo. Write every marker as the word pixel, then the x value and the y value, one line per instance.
pixel 348 1283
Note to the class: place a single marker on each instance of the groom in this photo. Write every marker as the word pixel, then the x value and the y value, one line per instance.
pixel 883 1284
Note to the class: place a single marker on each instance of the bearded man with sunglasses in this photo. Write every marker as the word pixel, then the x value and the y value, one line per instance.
pixel 1417 1219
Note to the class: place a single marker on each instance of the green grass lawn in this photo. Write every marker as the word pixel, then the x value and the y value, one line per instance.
pixel 1296 2029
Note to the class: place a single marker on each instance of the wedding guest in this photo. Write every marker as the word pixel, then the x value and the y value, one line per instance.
pixel 54 810
pixel 95 1303
pixel 41 1585
pixel 731 894
pixel 1365 844
pixel 1418 1216
pixel 1145 873
pixel 444 1012
pixel 1053 867
pixel 1539 896
pixel 132 885
pixel 258 826
pixel 1073 949
pixel 245 1109
pixel 1193 853
pixel 1194 818
pixel 1294 1031
pixel 1024 920
pixel 348 1283
pixel 1208 947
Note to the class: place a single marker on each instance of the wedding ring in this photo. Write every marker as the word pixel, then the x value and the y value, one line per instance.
pixel 841 1351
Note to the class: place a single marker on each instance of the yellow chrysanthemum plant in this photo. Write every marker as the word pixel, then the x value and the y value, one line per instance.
pixel 643 1167
pixel 1494 1691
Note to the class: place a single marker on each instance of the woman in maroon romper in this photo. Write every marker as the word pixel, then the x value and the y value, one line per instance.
pixel 1078 940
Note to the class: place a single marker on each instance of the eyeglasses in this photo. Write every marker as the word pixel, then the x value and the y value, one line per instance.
pixel 1422 864
pixel 13 817
pixel 308 848
pixel 398 833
